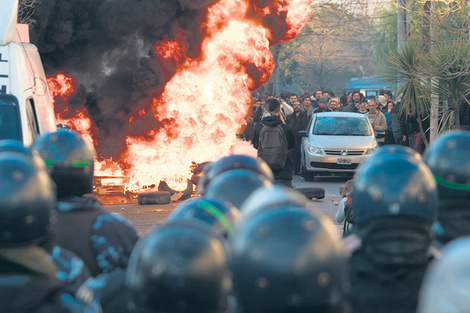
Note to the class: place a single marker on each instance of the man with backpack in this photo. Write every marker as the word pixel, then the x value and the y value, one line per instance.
pixel 275 142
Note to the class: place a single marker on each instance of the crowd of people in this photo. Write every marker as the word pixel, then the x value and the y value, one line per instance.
pixel 243 243
pixel 390 125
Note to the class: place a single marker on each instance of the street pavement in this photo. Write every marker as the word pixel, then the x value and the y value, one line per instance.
pixel 143 217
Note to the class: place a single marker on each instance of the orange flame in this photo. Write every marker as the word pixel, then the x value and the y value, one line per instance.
pixel 207 100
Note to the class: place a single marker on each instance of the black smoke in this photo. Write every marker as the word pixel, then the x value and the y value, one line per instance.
pixel 106 45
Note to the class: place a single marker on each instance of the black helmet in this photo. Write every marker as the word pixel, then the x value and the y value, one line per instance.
pixel 392 149
pixel 11 145
pixel 233 162
pixel 449 160
pixel 445 286
pixel 288 259
pixel 394 185
pixel 27 201
pixel 70 161
pixel 271 197
pixel 179 267
pixel 394 200
pixel 235 186
pixel 395 149
pixel 219 215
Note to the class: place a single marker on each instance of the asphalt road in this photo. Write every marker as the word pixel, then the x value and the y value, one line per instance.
pixel 143 217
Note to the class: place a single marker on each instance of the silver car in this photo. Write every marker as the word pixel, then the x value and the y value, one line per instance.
pixel 336 142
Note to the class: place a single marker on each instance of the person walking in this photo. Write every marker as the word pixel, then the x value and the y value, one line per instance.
pixel 279 155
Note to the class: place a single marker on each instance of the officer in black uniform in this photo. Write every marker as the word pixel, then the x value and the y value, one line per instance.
pixel 28 277
pixel 395 204
pixel 233 162
pixel 104 241
pixel 70 268
pixel 448 158
pixel 235 186
pixel 221 216
pixel 180 266
pixel 288 259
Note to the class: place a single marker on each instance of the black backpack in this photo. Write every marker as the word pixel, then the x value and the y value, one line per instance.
pixel 272 147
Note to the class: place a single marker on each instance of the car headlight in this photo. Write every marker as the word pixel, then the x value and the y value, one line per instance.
pixel 315 150
pixel 370 150
pixel 374 147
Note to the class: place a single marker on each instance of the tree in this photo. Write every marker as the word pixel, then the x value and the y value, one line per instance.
pixel 331 49
pixel 26 12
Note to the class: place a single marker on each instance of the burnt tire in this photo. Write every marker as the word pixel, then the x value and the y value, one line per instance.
pixel 312 192
pixel 186 194
pixel 160 197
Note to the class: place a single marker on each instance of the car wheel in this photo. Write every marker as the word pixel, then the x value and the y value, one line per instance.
pixel 309 176
pixel 302 170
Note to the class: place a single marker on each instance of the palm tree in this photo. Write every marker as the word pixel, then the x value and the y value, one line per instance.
pixel 451 67
pixel 406 68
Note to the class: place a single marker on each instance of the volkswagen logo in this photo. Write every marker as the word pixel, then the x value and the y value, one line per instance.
pixel 344 152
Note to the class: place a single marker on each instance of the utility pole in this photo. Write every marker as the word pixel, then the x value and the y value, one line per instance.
pixel 402 32
pixel 434 97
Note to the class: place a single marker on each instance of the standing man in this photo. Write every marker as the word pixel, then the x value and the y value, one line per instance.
pixel 354 105
pixel 307 107
pixel 297 121
pixel 378 121
pixel 274 146
pixel 316 98
pixel 334 104
pixel 322 106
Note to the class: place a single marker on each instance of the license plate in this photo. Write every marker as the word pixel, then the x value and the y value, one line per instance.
pixel 343 161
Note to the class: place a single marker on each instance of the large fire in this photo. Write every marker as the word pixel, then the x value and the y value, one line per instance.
pixel 206 101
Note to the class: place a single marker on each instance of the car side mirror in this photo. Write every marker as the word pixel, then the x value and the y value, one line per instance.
pixel 303 133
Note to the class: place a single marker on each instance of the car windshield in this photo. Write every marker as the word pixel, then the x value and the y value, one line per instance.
pixel 9 119
pixel 341 126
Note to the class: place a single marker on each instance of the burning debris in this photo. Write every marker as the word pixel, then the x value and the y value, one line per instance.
pixel 157 86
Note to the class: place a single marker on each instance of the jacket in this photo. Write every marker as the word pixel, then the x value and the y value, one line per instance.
pixel 274 120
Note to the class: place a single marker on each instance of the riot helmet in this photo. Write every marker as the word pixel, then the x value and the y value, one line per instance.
pixel 395 203
pixel 70 161
pixel 179 267
pixel 446 284
pixel 392 149
pixel 221 216
pixel 27 201
pixel 288 259
pixel 233 162
pixel 271 197
pixel 448 159
pixel 11 145
pixel 235 186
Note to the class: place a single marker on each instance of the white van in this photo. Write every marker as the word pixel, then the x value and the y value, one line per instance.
pixel 26 106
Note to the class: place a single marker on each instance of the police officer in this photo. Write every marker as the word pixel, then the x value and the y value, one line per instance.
pixel 104 241
pixel 395 203
pixel 233 162
pixel 235 186
pixel 28 278
pixel 448 159
pixel 288 259
pixel 70 268
pixel 220 216
pixel 181 267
